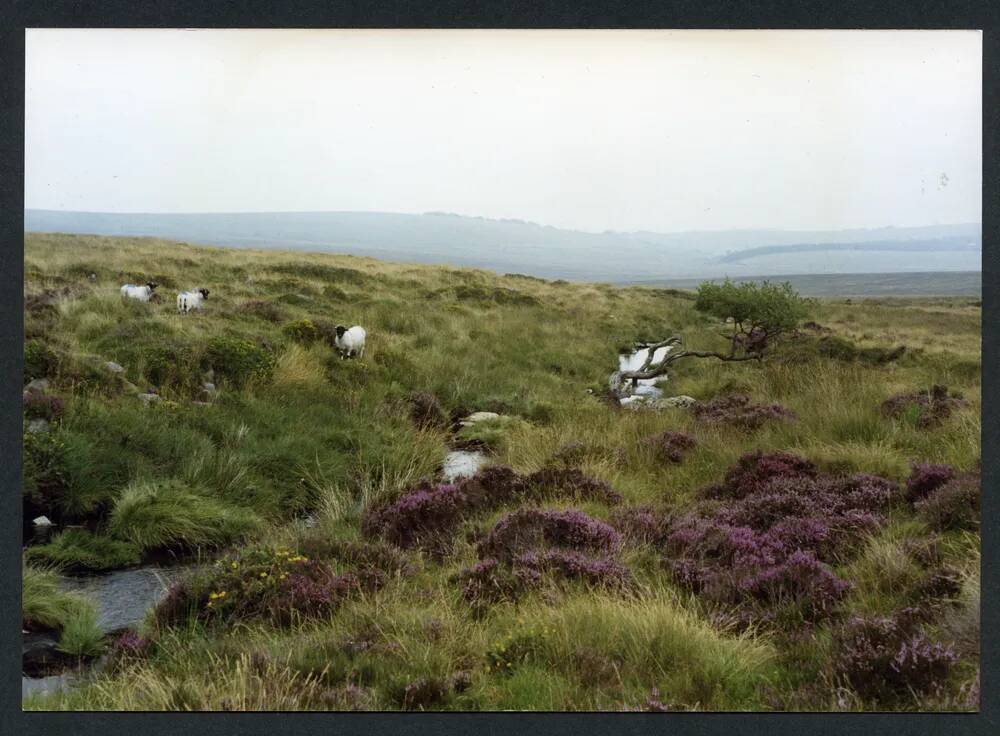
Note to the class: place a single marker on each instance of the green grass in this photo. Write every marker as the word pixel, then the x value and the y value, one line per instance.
pixel 295 430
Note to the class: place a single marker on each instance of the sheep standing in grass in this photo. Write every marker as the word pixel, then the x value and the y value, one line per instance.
pixel 350 342
pixel 142 293
pixel 188 300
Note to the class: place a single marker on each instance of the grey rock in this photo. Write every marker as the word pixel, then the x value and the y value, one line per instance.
pixel 37 426
pixel 41 521
pixel 208 387
pixel 39 384
pixel 148 398
pixel 681 401
pixel 479 416
pixel 114 367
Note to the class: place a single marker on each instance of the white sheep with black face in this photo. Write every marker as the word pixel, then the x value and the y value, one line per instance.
pixel 188 300
pixel 142 293
pixel 350 342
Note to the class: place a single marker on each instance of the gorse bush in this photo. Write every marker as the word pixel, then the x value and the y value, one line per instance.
pixel 239 361
pixel 303 331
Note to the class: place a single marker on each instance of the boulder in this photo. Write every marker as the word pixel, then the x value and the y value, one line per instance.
pixel 147 399
pixel 37 426
pixel 39 384
pixel 682 401
pixel 41 521
pixel 479 416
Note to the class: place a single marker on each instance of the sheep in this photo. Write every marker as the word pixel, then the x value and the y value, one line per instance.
pixel 188 300
pixel 142 293
pixel 350 341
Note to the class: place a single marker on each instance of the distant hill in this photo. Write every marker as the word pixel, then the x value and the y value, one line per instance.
pixel 928 283
pixel 515 245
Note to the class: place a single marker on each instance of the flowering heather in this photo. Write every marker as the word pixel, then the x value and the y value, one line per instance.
pixel 530 528
pixel 671 446
pixel 925 478
pixel 129 643
pixel 261 584
pixel 429 515
pixel 884 658
pixel 767 545
pixel 641 524
pixel 491 581
pixel 42 406
pixel 931 408
pixel 953 505
pixel 800 578
pixel 425 512
pixel 571 483
pixel 424 693
pixel 754 469
pixel 739 411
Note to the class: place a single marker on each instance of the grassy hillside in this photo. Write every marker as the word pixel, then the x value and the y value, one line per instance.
pixel 400 596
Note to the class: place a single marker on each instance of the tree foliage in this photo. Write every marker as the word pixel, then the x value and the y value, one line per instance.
pixel 759 312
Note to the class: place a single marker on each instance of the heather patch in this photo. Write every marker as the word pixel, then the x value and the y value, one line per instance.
pixel 428 515
pixel 953 505
pixel 738 410
pixel 42 406
pixel 535 528
pixel 641 524
pixel 887 658
pixel 926 478
pixel 671 446
pixel 276 586
pixel 926 409
pixel 491 581
pixel 769 545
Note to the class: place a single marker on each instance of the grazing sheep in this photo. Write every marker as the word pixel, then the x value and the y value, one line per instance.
pixel 142 293
pixel 188 300
pixel 351 341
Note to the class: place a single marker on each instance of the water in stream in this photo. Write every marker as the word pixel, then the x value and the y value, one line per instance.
pixel 634 361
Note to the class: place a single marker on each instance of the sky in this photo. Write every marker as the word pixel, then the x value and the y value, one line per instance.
pixel 590 130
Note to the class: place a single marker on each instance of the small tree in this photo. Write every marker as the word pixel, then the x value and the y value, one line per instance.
pixel 759 314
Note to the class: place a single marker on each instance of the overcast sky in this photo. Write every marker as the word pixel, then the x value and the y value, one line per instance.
pixel 595 130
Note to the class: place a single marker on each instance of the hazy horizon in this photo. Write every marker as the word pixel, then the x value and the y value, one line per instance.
pixel 661 131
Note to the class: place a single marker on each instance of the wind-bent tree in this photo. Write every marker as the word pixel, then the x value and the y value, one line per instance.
pixel 759 313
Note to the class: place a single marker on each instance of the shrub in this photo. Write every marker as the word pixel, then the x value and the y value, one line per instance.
pixel 303 331
pixel 39 360
pixel 738 411
pixel 239 360
pixel 258 583
pixel 492 581
pixel 884 658
pixel 427 515
pixel 168 514
pixel 79 550
pixel 953 505
pixel 531 528
pixel 755 469
pixel 641 524
pixel 926 478
pixel 671 446
pixel 929 409
pixel 42 406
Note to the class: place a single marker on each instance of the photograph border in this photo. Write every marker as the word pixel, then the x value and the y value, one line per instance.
pixel 980 14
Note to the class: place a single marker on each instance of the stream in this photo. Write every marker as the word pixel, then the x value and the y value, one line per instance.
pixel 121 599
pixel 634 361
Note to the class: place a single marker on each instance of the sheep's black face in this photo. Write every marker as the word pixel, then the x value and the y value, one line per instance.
pixel 151 284
pixel 204 293
pixel 340 330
